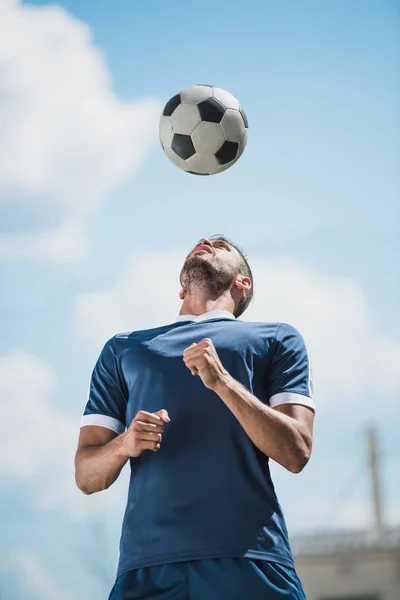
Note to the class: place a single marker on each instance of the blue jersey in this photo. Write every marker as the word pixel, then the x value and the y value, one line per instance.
pixel 207 493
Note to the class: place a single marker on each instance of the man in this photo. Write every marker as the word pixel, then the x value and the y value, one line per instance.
pixel 205 401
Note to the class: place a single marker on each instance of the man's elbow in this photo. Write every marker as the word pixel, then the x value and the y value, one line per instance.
pixel 89 488
pixel 81 480
pixel 299 461
pixel 82 485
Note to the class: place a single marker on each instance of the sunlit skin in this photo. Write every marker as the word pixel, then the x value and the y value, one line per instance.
pixel 283 433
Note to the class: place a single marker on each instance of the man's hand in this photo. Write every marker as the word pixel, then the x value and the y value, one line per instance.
pixel 144 433
pixel 202 359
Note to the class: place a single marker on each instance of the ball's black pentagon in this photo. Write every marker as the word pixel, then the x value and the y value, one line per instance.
pixel 246 123
pixel 171 105
pixel 194 173
pixel 227 152
pixel 211 110
pixel 182 145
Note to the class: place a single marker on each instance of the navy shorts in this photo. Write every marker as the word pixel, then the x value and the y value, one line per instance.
pixel 210 579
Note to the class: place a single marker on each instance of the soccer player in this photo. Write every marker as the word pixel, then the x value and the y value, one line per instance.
pixel 198 407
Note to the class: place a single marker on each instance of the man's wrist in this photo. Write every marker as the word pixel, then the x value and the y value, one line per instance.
pixel 225 385
pixel 120 450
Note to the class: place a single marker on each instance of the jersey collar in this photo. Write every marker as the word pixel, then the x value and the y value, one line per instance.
pixel 212 314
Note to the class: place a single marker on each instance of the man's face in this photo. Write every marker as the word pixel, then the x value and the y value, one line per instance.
pixel 212 265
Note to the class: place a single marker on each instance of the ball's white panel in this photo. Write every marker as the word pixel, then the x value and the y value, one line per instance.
pixel 208 137
pixel 196 94
pixel 202 163
pixel 233 125
pixel 225 98
pixel 185 119
pixel 166 132
pixel 177 160
pixel 243 143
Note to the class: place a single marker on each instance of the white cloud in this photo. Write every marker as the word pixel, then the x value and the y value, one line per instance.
pixel 36 579
pixel 65 137
pixel 349 359
pixel 26 382
pixel 67 241
pixel 348 356
pixel 145 296
pixel 38 442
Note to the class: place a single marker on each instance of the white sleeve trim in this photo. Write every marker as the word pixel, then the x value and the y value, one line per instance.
pixel 103 421
pixel 291 398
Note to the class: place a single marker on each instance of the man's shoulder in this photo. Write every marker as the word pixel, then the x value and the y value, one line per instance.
pixel 263 327
pixel 270 331
pixel 140 335
pixel 277 327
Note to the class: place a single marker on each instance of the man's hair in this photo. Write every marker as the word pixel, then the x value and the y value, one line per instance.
pixel 245 270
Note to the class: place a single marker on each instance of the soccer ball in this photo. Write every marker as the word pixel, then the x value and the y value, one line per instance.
pixel 203 130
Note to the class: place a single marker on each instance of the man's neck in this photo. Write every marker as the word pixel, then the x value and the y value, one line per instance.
pixel 198 304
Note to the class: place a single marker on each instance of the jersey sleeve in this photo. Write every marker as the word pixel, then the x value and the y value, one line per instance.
pixel 290 378
pixel 106 405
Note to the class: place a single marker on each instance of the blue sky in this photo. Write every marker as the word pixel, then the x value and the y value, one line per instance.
pixel 94 221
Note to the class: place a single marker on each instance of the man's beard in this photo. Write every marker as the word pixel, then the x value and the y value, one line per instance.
pixel 213 276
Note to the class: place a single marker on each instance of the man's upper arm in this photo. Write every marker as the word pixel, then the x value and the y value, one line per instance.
pixel 93 435
pixel 303 415
pixel 108 396
pixel 290 375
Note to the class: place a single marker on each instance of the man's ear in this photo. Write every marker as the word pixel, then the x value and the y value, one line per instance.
pixel 182 294
pixel 243 283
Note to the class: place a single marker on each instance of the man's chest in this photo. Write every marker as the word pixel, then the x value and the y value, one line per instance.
pixel 157 377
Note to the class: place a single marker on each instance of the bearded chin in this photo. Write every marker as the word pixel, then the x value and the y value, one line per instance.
pixel 212 276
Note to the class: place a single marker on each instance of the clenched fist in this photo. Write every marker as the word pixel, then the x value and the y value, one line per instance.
pixel 202 360
pixel 144 433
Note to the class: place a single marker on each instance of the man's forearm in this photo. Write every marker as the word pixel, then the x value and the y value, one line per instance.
pixel 277 435
pixel 97 467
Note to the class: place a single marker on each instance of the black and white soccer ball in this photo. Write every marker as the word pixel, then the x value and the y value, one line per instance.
pixel 203 129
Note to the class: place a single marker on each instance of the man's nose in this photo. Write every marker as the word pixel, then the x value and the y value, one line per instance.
pixel 204 242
